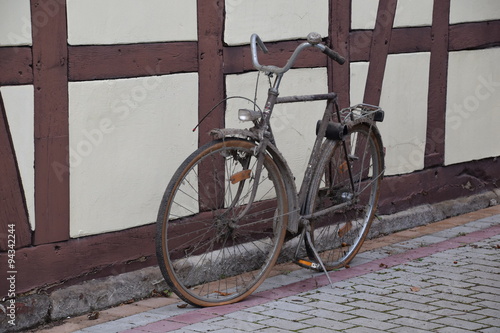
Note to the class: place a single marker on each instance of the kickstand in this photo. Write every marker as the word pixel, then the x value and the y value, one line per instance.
pixel 311 251
pixel 316 255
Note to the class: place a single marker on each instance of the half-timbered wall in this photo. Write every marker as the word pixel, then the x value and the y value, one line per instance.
pixel 99 99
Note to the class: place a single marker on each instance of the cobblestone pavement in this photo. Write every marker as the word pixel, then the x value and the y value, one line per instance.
pixel 443 277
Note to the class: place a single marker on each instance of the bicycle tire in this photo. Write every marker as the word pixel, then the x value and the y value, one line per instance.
pixel 339 235
pixel 208 254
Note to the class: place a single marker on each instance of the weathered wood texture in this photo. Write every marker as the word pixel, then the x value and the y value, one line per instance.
pixel 381 40
pixel 118 61
pixel 438 72
pixel 50 79
pixel 339 76
pixel 15 65
pixel 210 67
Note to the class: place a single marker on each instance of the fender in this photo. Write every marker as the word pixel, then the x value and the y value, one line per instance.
pixel 290 187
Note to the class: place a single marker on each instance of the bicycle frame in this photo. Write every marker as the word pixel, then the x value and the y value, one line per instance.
pixel 331 109
pixel 263 135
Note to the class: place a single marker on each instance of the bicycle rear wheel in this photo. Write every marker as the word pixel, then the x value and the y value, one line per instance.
pixel 208 253
pixel 339 234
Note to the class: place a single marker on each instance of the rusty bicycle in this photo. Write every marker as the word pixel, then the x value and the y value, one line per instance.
pixel 233 203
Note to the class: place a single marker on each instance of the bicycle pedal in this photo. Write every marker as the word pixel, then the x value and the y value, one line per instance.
pixel 308 264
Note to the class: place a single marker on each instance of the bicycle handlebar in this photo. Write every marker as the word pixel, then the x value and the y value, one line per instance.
pixel 313 40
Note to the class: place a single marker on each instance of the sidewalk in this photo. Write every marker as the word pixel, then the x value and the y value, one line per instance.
pixel 443 277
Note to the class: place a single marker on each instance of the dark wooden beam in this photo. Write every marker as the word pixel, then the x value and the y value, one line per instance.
pixel 339 40
pixel 50 78
pixel 379 50
pixel 118 61
pixel 474 35
pixel 211 87
pixel 438 85
pixel 15 65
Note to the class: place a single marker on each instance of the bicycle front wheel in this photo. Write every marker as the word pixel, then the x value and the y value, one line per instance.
pixel 216 240
pixel 344 193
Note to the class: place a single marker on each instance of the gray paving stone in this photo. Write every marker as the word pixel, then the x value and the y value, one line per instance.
pixel 490 330
pixel 375 298
pixel 486 296
pixel 454 305
pixel 452 283
pixel 240 325
pixel 414 306
pixel 493 265
pixel 482 268
pixel 273 330
pixel 284 324
pixel 489 312
pixel 452 330
pixel 326 297
pixel 490 321
pixel 485 281
pixel 413 297
pixel 288 315
pixel 455 298
pixel 374 290
pixel 202 327
pixel 420 324
pixel 247 316
pixel 362 330
pixel 288 306
pixel 486 289
pixel 455 322
pixel 371 306
pixel 318 330
pixel 420 315
pixel 322 313
pixel 407 329
pixel 372 314
pixel 372 323
pixel 469 316
pixel 327 323
pixel 330 306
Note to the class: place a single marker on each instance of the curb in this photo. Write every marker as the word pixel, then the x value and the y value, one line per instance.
pixel 37 309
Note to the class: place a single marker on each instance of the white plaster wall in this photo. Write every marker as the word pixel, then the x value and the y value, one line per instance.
pixel 274 20
pixel 404 99
pixel 127 138
pixel 473 106
pixel 294 125
pixel 408 13
pixel 477 10
pixel 15 22
pixel 19 107
pixel 130 21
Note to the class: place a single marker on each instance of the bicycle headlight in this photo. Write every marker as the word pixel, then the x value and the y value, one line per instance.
pixel 248 115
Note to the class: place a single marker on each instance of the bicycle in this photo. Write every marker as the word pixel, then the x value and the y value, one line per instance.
pixel 233 202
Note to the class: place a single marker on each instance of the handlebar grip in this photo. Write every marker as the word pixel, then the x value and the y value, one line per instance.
pixel 334 55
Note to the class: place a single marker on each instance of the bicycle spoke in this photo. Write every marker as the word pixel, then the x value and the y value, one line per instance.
pixel 340 233
pixel 216 255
